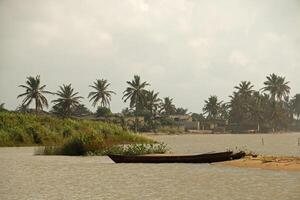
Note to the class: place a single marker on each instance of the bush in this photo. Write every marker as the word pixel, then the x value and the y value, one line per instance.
pixel 103 112
pixel 28 129
pixel 133 149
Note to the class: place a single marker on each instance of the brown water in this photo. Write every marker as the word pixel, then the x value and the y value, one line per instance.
pixel 268 144
pixel 24 176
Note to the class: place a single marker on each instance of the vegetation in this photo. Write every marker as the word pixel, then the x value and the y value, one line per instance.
pixel 68 100
pixel 264 110
pixel 81 110
pixel 296 105
pixel 27 130
pixel 136 92
pixel 2 109
pixel 101 94
pixel 135 149
pixel 267 109
pixel 167 106
pixel 212 107
pixel 93 145
pixel 103 112
pixel 34 91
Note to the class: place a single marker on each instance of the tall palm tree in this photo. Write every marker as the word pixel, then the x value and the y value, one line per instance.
pixel 256 108
pixel 276 86
pixel 34 91
pixel 167 106
pixel 101 94
pixel 152 101
pixel 244 89
pixel 135 92
pixel 67 100
pixel 212 107
pixel 296 105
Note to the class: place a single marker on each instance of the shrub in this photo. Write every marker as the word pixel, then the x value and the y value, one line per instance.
pixel 135 149
pixel 18 129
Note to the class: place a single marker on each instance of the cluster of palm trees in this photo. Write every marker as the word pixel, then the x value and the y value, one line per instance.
pixel 142 102
pixel 67 99
pixel 268 108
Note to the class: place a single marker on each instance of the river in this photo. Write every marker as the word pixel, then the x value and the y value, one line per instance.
pixel 25 176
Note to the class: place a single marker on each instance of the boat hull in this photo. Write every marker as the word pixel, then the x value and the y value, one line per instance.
pixel 170 158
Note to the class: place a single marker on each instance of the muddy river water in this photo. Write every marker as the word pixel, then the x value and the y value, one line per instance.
pixel 25 176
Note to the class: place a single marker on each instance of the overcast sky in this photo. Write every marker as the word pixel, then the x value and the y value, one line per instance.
pixel 186 49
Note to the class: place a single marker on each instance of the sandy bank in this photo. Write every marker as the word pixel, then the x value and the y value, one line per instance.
pixel 267 162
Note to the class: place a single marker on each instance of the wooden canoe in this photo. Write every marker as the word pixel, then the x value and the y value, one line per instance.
pixel 173 158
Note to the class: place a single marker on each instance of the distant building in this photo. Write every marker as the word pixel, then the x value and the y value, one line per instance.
pixel 181 118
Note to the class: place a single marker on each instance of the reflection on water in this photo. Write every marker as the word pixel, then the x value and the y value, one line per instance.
pixel 24 176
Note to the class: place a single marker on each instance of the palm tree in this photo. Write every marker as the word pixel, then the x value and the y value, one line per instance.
pixel 101 94
pixel 34 91
pixel 167 106
pixel 296 105
pixel 136 94
pixel 67 100
pixel 276 86
pixel 152 101
pixel 212 107
pixel 244 89
pixel 257 106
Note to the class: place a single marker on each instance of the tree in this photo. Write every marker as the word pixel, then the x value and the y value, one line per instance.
pixel 296 105
pixel 258 104
pixel 167 107
pixel 212 107
pixel 34 91
pixel 101 94
pixel 151 106
pixel 135 92
pixel 81 110
pixel 67 100
pixel 224 111
pixel 2 109
pixel 152 102
pixel 181 111
pixel 277 87
pixel 240 103
pixel 127 112
pixel 103 112
pixel 244 89
pixel 197 117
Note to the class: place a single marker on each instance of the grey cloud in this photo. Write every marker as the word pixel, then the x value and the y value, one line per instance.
pixel 186 49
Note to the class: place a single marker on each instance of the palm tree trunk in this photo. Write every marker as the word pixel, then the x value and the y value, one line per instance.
pixel 136 120
pixel 36 106
pixel 136 117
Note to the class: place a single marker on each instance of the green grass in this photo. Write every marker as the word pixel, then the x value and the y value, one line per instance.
pixel 62 136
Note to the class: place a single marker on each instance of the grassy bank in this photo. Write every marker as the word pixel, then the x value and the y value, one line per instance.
pixel 71 137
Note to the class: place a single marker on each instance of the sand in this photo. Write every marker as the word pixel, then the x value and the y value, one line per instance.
pixel 267 162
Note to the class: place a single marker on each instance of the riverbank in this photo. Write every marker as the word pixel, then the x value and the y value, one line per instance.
pixel 286 163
